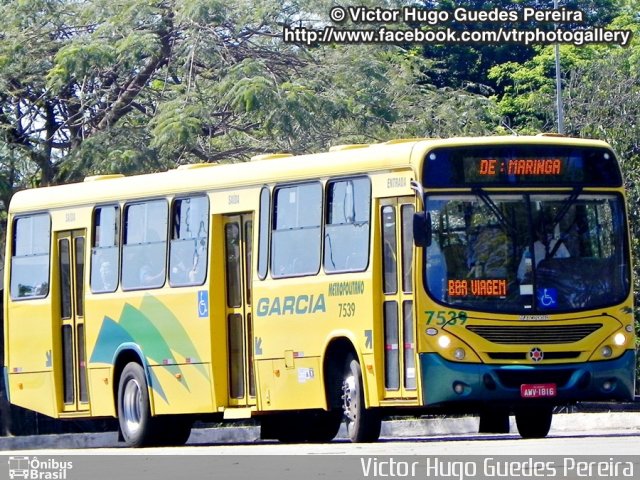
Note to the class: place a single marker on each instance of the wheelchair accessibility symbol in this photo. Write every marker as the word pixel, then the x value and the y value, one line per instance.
pixel 547 297
pixel 203 304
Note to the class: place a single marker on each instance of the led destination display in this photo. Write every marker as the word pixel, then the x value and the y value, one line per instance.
pixel 521 165
pixel 518 166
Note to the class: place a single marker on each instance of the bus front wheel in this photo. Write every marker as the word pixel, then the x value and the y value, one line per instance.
pixel 134 412
pixel 363 425
pixel 534 422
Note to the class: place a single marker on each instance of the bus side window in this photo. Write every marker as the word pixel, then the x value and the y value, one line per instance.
pixel 346 239
pixel 104 252
pixel 295 240
pixel 189 241
pixel 30 260
pixel 144 247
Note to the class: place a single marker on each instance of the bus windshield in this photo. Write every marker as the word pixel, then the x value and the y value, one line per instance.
pixel 522 253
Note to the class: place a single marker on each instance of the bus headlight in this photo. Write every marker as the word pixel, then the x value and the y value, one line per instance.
pixel 451 348
pixel 619 339
pixel 613 346
pixel 444 341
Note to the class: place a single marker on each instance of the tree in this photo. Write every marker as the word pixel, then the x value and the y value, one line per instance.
pixel 467 66
pixel 61 82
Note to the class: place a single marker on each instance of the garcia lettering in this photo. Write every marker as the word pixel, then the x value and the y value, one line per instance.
pixel 291 305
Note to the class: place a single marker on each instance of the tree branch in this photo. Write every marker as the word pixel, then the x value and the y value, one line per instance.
pixel 135 85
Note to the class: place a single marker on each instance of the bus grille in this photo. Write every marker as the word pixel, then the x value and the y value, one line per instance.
pixel 524 335
pixel 524 355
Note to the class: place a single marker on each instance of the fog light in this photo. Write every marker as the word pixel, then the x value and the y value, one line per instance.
pixel 629 328
pixel 432 332
pixel 459 354
pixel 458 388
pixel 619 339
pixel 607 385
pixel 444 341
pixel 606 351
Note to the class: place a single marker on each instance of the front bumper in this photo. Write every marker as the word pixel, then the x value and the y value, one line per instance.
pixel 445 382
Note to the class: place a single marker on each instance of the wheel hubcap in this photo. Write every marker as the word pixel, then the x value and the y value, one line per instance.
pixel 349 398
pixel 132 406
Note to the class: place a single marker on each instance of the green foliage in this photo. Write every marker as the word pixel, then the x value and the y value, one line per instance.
pixel 468 65
pixel 175 126
pixel 77 61
pixel 247 87
pixel 121 149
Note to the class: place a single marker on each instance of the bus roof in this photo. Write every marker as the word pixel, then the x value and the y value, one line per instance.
pixel 392 155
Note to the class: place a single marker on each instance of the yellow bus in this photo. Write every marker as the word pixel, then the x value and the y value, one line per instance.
pixel 480 275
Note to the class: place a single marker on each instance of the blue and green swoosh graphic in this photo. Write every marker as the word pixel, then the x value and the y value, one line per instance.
pixel 156 331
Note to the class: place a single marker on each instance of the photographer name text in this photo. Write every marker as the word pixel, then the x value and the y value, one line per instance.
pixel 491 467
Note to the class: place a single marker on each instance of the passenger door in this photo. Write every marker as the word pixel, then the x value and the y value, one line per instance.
pixel 396 224
pixel 238 252
pixel 71 273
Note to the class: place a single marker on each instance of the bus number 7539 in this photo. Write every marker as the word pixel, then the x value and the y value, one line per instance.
pixel 440 319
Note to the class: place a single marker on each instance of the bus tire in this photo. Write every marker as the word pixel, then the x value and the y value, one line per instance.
pixel 363 424
pixel 534 422
pixel 134 412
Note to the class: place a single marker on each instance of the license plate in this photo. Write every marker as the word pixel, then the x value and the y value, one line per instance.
pixel 538 390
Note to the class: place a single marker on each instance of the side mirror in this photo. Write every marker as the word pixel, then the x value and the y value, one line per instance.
pixel 422 232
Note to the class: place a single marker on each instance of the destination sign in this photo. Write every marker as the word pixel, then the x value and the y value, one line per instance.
pixel 518 166
pixel 477 287
pixel 521 165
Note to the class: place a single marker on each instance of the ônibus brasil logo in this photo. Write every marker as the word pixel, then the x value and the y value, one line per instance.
pixel 36 469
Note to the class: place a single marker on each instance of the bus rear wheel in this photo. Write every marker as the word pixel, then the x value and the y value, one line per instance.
pixel 134 412
pixel 534 422
pixel 363 424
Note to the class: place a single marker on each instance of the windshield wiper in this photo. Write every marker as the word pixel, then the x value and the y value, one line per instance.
pixel 568 203
pixel 491 205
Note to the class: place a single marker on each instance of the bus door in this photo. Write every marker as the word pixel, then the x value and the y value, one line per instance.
pixel 71 273
pixel 399 329
pixel 238 250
